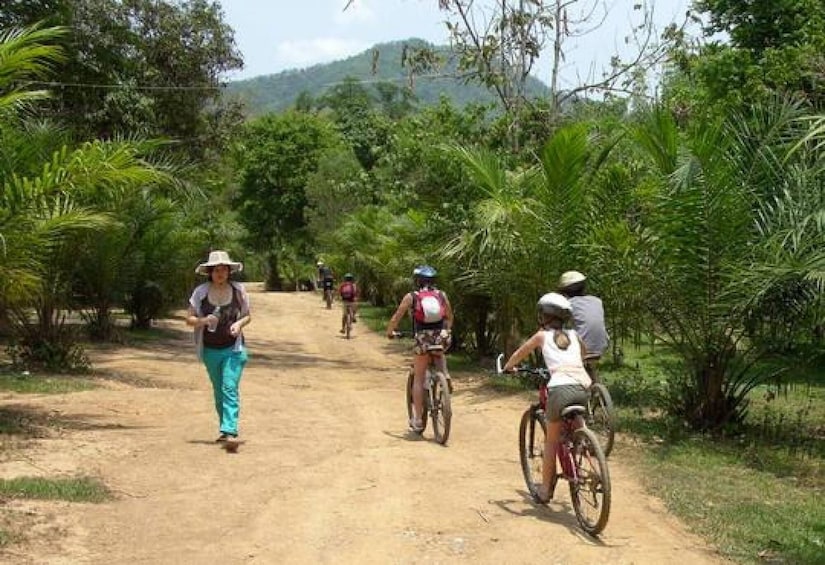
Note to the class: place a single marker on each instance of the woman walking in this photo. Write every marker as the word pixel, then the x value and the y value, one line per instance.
pixel 218 311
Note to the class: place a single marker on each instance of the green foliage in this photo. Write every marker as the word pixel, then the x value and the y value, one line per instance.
pixel 710 248
pixel 57 350
pixel 277 156
pixel 774 47
pixel 139 67
pixel 365 130
pixel 71 220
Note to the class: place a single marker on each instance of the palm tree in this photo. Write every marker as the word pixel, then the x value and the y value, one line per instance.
pixel 495 253
pixel 51 192
pixel 715 234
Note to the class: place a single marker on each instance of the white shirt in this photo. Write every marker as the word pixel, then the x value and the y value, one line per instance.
pixel 565 365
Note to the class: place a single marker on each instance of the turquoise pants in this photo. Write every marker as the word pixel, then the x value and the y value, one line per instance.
pixel 225 367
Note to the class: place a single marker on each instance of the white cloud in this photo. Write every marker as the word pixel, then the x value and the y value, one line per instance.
pixel 360 12
pixel 303 53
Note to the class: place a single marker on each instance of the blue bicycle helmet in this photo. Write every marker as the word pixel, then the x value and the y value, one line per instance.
pixel 426 272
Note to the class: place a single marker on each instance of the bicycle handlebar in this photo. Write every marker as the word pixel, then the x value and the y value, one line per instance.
pixel 526 369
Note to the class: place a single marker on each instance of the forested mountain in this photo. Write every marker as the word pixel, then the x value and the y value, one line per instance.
pixel 272 93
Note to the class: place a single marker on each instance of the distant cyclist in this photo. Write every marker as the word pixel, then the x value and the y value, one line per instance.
pixel 348 291
pixel 326 278
pixel 432 318
pixel 588 316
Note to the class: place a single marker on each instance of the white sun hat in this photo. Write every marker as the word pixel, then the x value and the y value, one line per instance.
pixel 570 278
pixel 219 258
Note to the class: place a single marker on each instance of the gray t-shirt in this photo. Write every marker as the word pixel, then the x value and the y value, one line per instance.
pixel 588 318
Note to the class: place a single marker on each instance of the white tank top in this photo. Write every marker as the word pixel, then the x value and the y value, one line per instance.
pixel 565 365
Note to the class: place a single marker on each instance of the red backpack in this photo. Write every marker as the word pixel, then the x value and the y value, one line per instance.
pixel 347 291
pixel 429 306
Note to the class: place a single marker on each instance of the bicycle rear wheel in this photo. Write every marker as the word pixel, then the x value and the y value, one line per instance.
pixel 410 379
pixel 531 448
pixel 590 492
pixel 328 298
pixel 349 322
pixel 602 416
pixel 441 408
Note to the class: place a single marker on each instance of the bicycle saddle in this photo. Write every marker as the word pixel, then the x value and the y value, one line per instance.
pixel 573 410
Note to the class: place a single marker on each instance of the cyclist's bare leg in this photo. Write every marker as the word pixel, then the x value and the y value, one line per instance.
pixel 548 468
pixel 347 306
pixel 440 361
pixel 420 371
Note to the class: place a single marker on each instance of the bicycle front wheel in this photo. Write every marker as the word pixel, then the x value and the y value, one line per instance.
pixel 441 408
pixel 602 416
pixel 531 448
pixel 349 323
pixel 590 491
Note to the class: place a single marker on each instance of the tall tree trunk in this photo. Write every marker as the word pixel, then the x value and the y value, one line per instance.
pixel 273 277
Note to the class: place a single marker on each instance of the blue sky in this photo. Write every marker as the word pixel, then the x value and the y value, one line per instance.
pixel 276 35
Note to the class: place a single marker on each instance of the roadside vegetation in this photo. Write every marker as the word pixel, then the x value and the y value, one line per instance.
pixel 698 214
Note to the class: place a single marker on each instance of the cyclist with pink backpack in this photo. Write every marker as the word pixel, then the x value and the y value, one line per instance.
pixel 348 291
pixel 432 318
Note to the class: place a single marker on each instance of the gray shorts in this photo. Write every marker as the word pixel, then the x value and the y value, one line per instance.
pixel 560 397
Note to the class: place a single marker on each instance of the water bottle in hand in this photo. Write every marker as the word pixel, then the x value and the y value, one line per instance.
pixel 213 322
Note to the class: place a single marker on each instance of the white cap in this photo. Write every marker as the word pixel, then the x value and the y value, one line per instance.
pixel 570 278
pixel 553 301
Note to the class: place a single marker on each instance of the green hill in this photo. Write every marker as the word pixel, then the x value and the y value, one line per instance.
pixel 274 93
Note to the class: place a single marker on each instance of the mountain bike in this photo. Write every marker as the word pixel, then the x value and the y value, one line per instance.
pixel 579 454
pixel 601 415
pixel 437 394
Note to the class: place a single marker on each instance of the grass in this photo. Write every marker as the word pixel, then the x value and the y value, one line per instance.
pixel 27 383
pixel 755 491
pixel 750 515
pixel 79 489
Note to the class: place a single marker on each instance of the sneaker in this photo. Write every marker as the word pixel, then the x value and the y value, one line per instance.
pixel 231 443
pixel 354 320
pixel 221 438
pixel 416 426
pixel 341 331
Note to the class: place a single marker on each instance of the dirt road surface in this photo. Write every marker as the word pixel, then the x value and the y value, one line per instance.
pixel 328 473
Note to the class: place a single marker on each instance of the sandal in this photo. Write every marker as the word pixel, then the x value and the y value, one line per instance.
pixel 221 438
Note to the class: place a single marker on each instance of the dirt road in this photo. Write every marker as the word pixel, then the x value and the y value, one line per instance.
pixel 327 474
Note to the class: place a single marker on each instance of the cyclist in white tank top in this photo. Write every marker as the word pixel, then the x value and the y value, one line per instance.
pixel 565 365
pixel 562 351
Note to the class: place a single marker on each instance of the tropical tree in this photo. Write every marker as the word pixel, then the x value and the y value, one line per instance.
pixel 139 68
pixel 728 194
pixel 46 205
pixel 276 158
